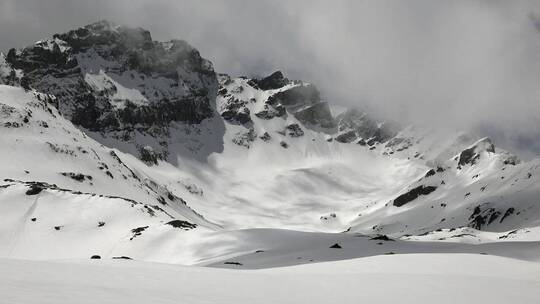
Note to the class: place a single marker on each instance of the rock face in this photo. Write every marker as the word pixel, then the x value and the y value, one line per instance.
pixel 294 130
pixel 272 82
pixel 118 82
pixel 8 75
pixel 317 114
pixel 304 102
pixel 235 111
pixel 305 94
pixel 258 108
pixel 356 125
pixel 470 155
pixel 484 215
pixel 413 194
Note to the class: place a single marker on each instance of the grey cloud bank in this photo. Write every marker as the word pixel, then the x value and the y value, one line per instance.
pixel 467 65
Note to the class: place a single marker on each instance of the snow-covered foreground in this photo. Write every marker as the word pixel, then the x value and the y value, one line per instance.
pixel 418 278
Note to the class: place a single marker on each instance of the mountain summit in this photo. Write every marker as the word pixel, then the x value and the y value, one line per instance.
pixel 115 145
pixel 117 82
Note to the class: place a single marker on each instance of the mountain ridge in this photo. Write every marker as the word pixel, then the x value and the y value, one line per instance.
pixel 103 114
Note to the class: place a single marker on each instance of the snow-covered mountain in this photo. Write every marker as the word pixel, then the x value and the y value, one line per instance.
pixel 124 88
pixel 115 145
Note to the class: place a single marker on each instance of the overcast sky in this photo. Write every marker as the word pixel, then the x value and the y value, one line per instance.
pixel 462 65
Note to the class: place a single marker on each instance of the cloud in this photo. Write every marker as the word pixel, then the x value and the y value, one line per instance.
pixel 467 65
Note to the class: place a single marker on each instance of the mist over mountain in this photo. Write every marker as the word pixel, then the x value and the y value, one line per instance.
pixel 351 152
pixel 462 65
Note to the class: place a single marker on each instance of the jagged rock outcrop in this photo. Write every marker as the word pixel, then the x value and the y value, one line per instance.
pixel 298 96
pixel 413 194
pixel 275 81
pixel 317 114
pixel 294 130
pixel 356 125
pixel 118 82
pixel 304 102
pixel 347 137
pixel 235 111
pixel 470 155
pixel 8 75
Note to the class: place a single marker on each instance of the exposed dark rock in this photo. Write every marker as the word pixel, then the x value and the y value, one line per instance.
pixel 77 176
pixel 318 114
pixel 34 189
pixel 336 246
pixel 64 149
pixel 233 263
pixel 347 137
pixel 148 155
pixel 413 194
pixel 507 213
pixel 468 156
pixel 265 137
pixel 306 94
pixel 471 155
pixel 121 258
pixel 175 83
pixel 182 224
pixel 493 216
pixel 272 82
pixel 484 215
pixel 366 127
pixel 430 173
pixel 235 111
pixel 294 130
pixel 303 101
pixel 137 231
pixel 508 234
pixel 245 138
pixel 271 111
pixel 511 160
pixel 381 237
pixel 331 215
pixel 95 257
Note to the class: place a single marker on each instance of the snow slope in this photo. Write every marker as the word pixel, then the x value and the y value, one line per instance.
pixel 312 185
pixel 427 278
pixel 62 194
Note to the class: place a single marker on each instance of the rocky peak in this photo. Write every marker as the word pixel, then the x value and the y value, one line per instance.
pixel 354 125
pixel 303 100
pixel 275 81
pixel 115 81
pixel 106 33
pixel 472 154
